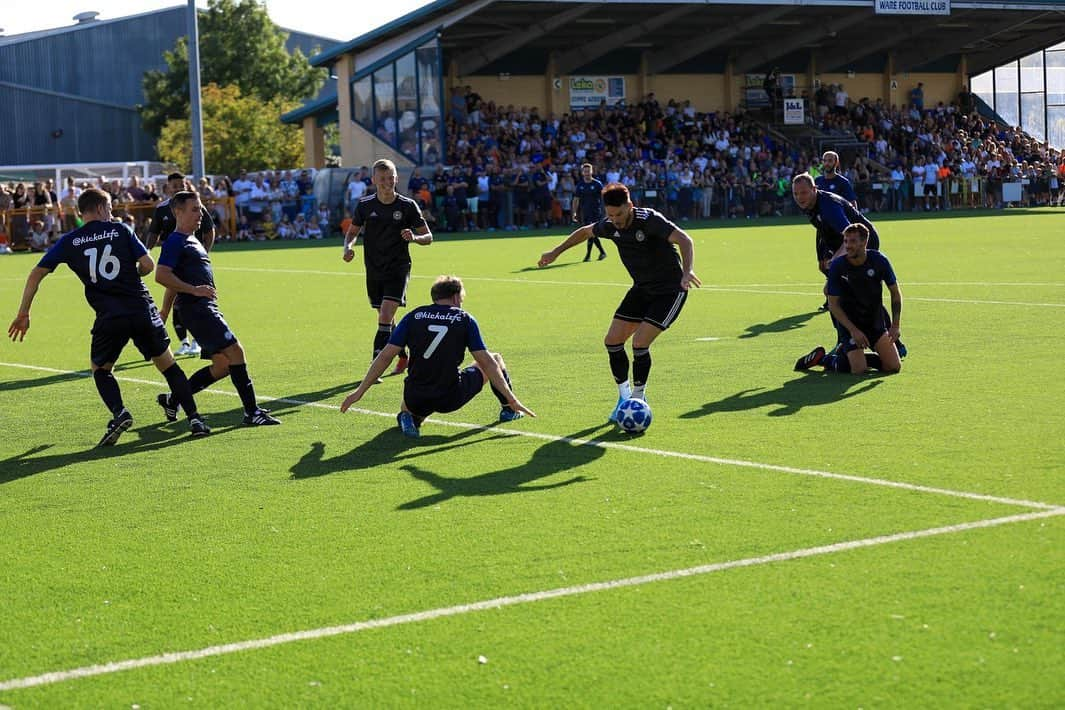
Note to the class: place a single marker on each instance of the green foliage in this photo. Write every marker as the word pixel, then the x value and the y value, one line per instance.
pixel 240 46
pixel 239 132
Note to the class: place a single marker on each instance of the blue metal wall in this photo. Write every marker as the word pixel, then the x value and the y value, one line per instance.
pixel 103 61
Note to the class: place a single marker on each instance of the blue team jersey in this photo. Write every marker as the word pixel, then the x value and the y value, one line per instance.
pixel 104 255
pixel 832 214
pixel 859 287
pixel 188 259
pixel 438 338
pixel 837 185
pixel 590 195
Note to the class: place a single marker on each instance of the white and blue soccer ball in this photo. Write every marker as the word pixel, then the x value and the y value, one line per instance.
pixel 634 415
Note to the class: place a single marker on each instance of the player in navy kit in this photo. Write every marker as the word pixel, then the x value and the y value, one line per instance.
pixel 647 244
pixel 389 223
pixel 110 260
pixel 855 297
pixel 588 206
pixel 833 182
pixel 185 269
pixel 438 337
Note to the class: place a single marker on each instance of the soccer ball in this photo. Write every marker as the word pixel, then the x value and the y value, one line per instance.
pixel 634 415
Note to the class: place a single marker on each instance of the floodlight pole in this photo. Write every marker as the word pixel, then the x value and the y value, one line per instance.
pixel 195 115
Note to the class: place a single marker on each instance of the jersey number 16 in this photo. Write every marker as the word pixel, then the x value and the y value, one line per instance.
pixel 106 265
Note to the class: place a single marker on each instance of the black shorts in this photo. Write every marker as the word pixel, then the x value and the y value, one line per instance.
pixel 468 384
pixel 660 310
pixel 873 329
pixel 110 335
pixel 207 325
pixel 387 288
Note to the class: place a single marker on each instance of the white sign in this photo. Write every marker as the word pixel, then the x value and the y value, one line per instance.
pixel 557 84
pixel 794 112
pixel 913 7
pixel 591 91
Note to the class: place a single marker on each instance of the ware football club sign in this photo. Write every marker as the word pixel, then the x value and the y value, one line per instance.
pixel 591 91
pixel 913 7
pixel 794 112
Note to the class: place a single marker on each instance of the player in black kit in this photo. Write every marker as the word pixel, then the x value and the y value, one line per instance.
pixel 438 337
pixel 389 222
pixel 588 206
pixel 185 268
pixel 162 224
pixel 110 261
pixel 647 244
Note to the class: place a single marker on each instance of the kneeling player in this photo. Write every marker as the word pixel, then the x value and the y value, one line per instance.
pixel 185 269
pixel 438 336
pixel 855 295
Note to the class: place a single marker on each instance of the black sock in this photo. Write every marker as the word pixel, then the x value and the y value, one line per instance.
pixel 380 340
pixel 873 361
pixel 200 380
pixel 641 366
pixel 180 390
pixel 619 362
pixel 107 386
pixel 179 328
pixel 239 376
pixel 499 395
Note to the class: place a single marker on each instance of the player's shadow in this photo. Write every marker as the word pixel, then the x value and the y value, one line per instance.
pixel 548 460
pixel 810 390
pixel 555 265
pixel 781 325
pixel 292 402
pixel 386 448
pixel 42 381
pixel 151 437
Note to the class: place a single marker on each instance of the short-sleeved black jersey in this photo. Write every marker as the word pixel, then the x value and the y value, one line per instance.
pixel 590 195
pixel 163 222
pixel 384 252
pixel 859 286
pixel 652 261
pixel 104 255
pixel 190 263
pixel 438 338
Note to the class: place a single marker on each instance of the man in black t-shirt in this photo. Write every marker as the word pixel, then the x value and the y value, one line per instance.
pixel 163 224
pixel 647 244
pixel 389 222
pixel 438 336
pixel 109 260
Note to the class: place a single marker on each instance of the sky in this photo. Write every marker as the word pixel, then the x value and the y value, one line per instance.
pixel 341 20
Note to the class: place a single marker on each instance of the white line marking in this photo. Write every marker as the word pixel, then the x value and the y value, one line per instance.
pixel 620 447
pixel 706 287
pixel 708 340
pixel 501 602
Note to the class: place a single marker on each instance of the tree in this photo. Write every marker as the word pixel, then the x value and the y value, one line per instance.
pixel 239 133
pixel 239 45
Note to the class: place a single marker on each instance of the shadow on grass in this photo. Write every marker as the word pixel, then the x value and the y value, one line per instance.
pixel 151 437
pixel 813 389
pixel 43 381
pixel 556 265
pixel 782 325
pixel 551 458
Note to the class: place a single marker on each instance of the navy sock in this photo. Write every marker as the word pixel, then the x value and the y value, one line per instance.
pixel 499 395
pixel 107 386
pixel 180 390
pixel 641 366
pixel 619 362
pixel 380 340
pixel 242 382
pixel 200 380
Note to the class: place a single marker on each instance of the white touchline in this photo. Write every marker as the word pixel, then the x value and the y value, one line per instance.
pixel 614 445
pixel 500 602
pixel 756 289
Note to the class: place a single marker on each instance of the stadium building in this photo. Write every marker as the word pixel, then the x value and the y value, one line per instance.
pixel 70 94
pixel 396 83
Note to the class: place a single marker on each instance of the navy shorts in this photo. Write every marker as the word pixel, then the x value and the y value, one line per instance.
pixel 468 384
pixel 387 288
pixel 873 330
pixel 110 335
pixel 660 310
pixel 207 325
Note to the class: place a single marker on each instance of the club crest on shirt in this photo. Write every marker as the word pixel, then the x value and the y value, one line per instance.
pixel 397 215
pixel 870 273
pixel 640 235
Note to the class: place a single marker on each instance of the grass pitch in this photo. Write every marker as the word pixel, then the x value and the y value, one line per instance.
pixel 889 588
